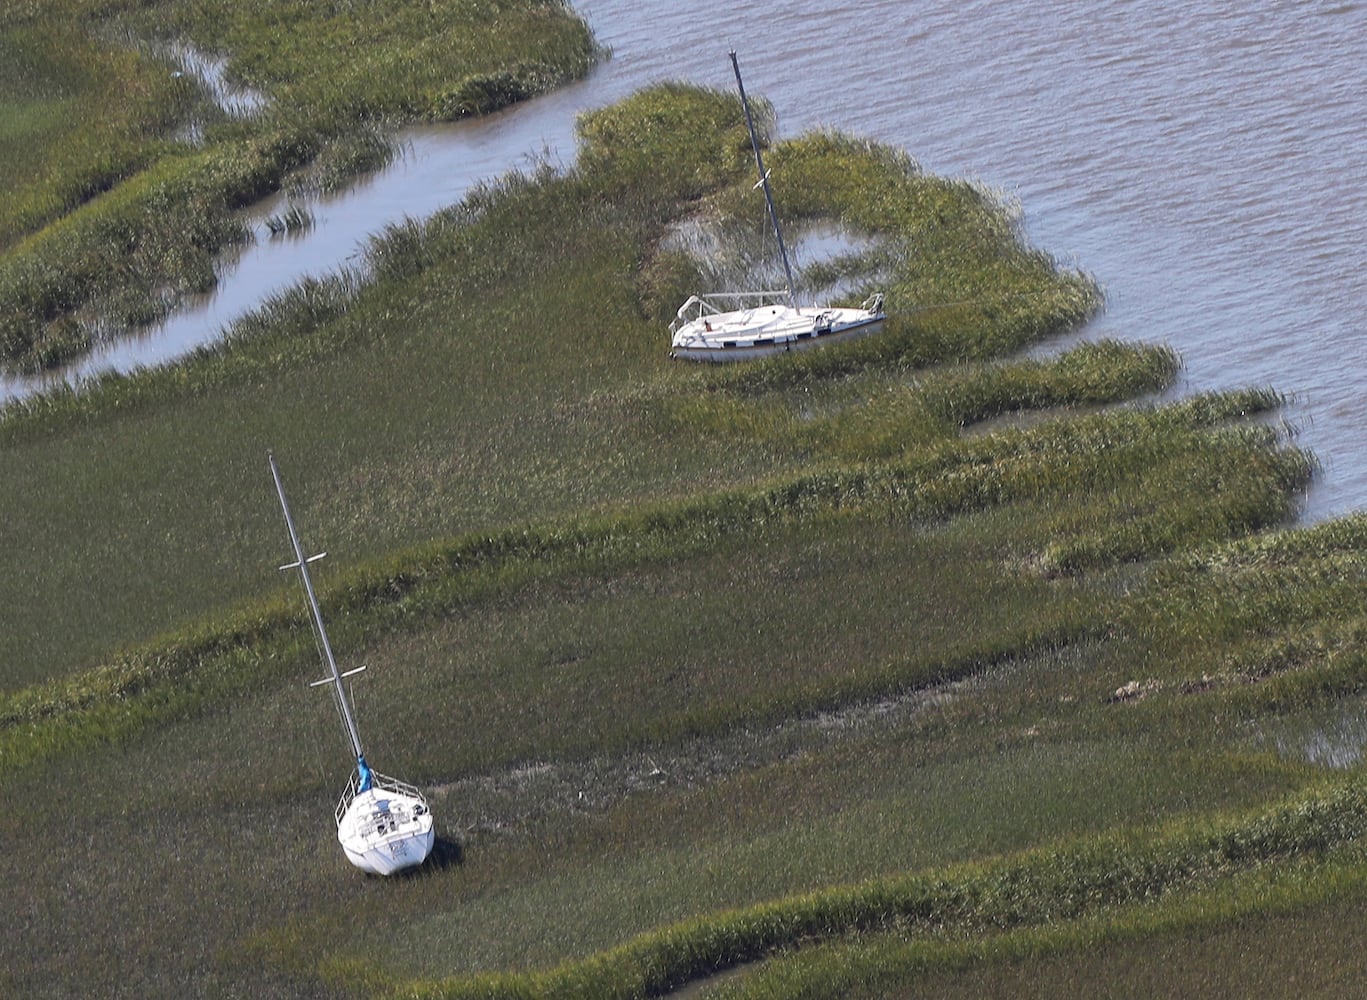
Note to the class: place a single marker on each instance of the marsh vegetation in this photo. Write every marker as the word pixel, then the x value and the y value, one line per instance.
pixel 123 170
pixel 914 663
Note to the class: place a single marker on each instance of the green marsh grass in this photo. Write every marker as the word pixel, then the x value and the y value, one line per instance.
pixel 552 668
pixel 428 432
pixel 863 609
pixel 114 207
pixel 1037 888
pixel 80 117
pixel 1265 934
pixel 1284 611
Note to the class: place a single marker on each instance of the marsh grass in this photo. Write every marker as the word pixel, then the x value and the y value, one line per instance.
pixel 79 118
pixel 571 561
pixel 1249 937
pixel 422 586
pixel 342 159
pixel 113 207
pixel 538 617
pixel 1034 889
pixel 1285 611
pixel 293 219
pixel 587 454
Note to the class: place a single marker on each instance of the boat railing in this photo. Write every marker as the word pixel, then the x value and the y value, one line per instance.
pixel 381 781
pixel 699 306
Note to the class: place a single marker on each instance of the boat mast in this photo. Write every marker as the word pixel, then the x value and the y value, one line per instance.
pixel 764 179
pixel 335 680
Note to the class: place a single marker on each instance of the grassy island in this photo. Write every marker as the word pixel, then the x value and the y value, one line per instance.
pixel 921 662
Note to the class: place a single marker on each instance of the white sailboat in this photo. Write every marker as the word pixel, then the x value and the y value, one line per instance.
pixel 383 825
pixel 733 326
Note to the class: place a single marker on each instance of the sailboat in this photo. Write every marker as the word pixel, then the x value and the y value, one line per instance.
pixel 383 824
pixel 759 324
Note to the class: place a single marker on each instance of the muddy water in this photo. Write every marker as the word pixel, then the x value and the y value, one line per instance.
pixel 1202 159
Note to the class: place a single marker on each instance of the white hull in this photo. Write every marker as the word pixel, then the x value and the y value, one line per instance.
pixel 704 333
pixel 385 829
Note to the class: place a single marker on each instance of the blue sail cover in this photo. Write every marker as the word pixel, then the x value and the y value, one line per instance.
pixel 367 777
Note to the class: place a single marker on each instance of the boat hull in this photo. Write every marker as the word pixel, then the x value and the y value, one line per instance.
pixel 765 331
pixel 703 331
pixel 384 831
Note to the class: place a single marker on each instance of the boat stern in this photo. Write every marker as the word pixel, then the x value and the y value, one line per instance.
pixel 386 828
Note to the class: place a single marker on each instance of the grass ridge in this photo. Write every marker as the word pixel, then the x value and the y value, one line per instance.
pixel 1032 889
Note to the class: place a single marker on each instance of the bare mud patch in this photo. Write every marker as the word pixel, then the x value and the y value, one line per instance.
pixel 510 801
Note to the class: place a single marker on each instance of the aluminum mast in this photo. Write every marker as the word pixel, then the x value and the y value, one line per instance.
pixel 335 680
pixel 764 179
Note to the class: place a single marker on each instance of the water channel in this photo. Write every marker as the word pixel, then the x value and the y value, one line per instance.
pixel 1202 159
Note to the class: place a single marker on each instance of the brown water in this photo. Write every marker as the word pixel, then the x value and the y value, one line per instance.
pixel 1202 159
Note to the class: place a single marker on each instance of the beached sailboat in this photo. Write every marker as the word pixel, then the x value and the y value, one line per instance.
pixel 383 825
pixel 733 326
